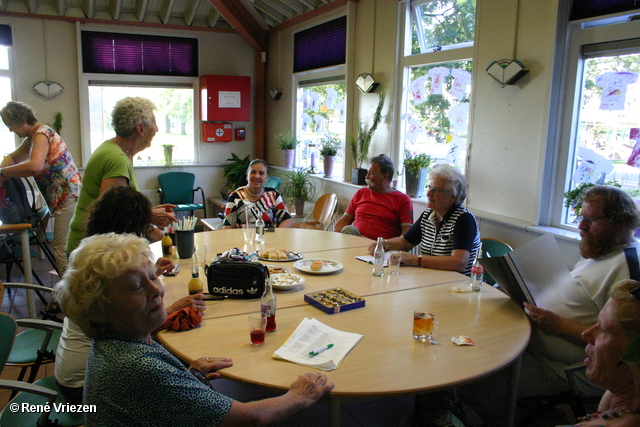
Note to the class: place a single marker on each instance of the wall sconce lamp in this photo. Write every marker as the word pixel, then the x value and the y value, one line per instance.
pixel 48 89
pixel 366 83
pixel 275 94
pixel 506 71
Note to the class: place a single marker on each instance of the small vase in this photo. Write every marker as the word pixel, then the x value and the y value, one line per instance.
pixel 288 158
pixel 415 182
pixel 168 156
pixel 328 165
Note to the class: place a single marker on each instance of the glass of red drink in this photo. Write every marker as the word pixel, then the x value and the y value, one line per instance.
pixel 257 327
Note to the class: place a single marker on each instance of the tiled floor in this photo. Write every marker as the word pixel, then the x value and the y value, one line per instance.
pixel 387 411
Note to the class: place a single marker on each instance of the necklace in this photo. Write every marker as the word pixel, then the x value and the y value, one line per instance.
pixel 614 413
pixel 251 194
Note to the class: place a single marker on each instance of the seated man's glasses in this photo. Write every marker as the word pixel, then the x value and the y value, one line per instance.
pixel 436 190
pixel 589 220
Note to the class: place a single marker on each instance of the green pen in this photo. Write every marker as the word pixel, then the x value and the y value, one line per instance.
pixel 320 350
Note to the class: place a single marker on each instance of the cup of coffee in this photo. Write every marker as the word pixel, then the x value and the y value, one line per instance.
pixel 257 327
pixel 424 325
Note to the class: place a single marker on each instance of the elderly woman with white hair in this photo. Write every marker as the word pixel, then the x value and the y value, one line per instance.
pixel 447 232
pixel 112 292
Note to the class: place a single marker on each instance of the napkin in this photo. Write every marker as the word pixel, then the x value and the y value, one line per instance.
pixel 183 319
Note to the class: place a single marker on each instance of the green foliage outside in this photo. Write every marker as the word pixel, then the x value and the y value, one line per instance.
pixel 573 198
pixel 446 23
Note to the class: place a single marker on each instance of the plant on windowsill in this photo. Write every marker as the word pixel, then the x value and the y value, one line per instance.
pixel 329 150
pixel 416 167
pixel 360 145
pixel 298 188
pixel 573 198
pixel 236 174
pixel 288 143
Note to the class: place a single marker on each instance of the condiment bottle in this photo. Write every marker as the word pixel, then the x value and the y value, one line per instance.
pixel 268 305
pixel 195 284
pixel 378 258
pixel 477 272
pixel 166 244
pixel 259 230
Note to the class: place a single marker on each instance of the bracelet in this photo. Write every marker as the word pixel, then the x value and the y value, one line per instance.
pixel 419 260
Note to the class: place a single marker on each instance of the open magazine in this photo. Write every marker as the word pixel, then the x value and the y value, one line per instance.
pixel 317 345
pixel 530 272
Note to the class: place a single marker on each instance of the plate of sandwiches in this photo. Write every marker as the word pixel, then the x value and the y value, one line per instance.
pixel 279 255
pixel 277 269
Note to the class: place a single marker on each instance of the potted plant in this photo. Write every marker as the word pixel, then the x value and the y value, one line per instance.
pixel 236 174
pixel 360 144
pixel 288 143
pixel 298 188
pixel 329 150
pixel 416 167
pixel 168 154
pixel 573 198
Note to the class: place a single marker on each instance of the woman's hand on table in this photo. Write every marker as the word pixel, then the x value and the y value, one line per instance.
pixel 311 387
pixel 208 365
pixel 195 301
pixel 163 265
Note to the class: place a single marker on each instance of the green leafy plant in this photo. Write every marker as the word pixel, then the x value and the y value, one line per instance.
pixel 57 123
pixel 298 185
pixel 414 162
pixel 360 145
pixel 287 141
pixel 236 172
pixel 573 198
pixel 331 143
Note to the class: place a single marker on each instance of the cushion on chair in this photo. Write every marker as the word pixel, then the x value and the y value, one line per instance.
pixel 21 419
pixel 27 343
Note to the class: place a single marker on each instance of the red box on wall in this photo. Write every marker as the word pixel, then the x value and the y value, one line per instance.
pixel 225 98
pixel 217 132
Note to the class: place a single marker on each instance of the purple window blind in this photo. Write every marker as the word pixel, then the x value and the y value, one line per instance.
pixel 5 35
pixel 582 9
pixel 139 54
pixel 321 46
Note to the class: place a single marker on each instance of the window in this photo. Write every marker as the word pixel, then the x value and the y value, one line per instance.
pixel 150 66
pixel 321 46
pixel 435 104
pixel 600 130
pixel 7 139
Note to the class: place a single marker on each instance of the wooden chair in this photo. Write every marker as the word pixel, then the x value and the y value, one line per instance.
pixel 320 217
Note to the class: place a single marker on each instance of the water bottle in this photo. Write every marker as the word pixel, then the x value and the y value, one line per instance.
pixel 477 272
pixel 259 230
pixel 378 258
pixel 268 305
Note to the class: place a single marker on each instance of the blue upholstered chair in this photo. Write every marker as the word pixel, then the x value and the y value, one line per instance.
pixel 177 188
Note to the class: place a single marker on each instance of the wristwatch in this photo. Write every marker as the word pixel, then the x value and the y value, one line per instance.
pixel 419 260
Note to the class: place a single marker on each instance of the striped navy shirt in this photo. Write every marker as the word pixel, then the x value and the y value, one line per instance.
pixel 458 230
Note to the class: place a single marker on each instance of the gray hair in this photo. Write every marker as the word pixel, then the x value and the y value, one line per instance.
pixel 617 205
pixel 385 164
pixel 456 182
pixel 93 266
pixel 18 112
pixel 128 112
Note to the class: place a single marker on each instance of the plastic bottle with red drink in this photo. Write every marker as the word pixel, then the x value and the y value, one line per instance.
pixel 268 305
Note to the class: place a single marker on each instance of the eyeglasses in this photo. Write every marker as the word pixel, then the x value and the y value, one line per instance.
pixel 589 220
pixel 436 190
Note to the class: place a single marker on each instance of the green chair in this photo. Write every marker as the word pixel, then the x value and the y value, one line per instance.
pixel 492 248
pixel 43 392
pixel 177 188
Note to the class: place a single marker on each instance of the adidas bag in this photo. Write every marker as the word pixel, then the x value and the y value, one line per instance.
pixel 236 279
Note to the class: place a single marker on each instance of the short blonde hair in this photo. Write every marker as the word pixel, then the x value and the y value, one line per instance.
pixel 93 266
pixel 128 112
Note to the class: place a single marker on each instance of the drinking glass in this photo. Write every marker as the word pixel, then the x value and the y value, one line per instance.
pixel 395 257
pixel 424 326
pixel 249 232
pixel 200 252
pixel 257 327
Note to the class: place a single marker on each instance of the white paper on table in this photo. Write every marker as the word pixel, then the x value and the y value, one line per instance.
pixel 309 336
pixel 369 259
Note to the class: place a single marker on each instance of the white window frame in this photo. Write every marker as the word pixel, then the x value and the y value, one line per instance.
pixel 10 74
pixel 143 80
pixel 565 104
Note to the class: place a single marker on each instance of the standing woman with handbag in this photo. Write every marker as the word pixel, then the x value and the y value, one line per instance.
pixel 43 155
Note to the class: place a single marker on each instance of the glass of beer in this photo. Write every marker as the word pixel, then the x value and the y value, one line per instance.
pixel 424 325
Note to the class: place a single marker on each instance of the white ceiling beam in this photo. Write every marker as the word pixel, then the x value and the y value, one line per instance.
pixel 115 8
pixel 61 7
pixel 309 5
pixel 190 10
pixel 295 5
pixel 89 8
pixel 275 17
pixel 282 10
pixel 141 11
pixel 212 17
pixel 165 11
pixel 33 5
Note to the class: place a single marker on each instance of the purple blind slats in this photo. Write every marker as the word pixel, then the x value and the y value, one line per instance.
pixel 321 46
pixel 139 54
pixel 582 9
pixel 5 35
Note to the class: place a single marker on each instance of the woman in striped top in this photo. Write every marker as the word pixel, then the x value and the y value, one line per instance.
pixel 447 232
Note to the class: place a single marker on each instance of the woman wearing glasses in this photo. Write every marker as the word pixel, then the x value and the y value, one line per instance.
pixel 447 232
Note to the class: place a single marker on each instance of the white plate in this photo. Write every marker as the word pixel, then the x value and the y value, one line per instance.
pixel 286 281
pixel 292 256
pixel 282 268
pixel 328 266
